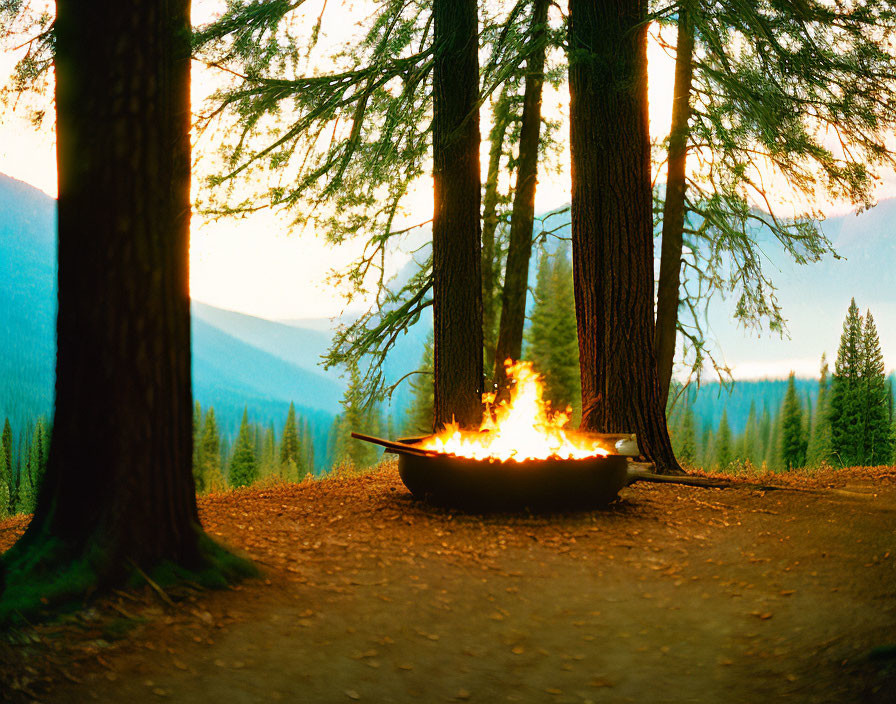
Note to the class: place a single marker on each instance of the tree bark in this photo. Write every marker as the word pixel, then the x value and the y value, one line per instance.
pixel 668 290
pixel 490 265
pixel 119 491
pixel 457 279
pixel 612 228
pixel 516 273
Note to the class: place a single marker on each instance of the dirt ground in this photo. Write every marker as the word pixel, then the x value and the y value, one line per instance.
pixel 673 594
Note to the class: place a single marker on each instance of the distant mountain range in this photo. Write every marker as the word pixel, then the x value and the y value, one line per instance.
pixel 238 360
pixel 241 360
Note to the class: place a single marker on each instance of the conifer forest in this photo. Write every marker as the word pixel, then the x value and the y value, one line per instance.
pixel 448 351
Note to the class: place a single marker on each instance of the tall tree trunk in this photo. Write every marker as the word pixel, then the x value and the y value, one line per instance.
pixel 612 228
pixel 119 488
pixel 516 273
pixel 673 208
pixel 490 264
pixel 457 279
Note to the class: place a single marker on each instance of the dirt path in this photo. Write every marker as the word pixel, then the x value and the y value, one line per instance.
pixel 673 595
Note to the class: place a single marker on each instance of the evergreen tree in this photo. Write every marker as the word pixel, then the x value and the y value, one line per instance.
pixel 847 412
pixel 225 455
pixel 25 495
pixel 420 413
pixel 355 416
pixel 773 449
pixel 552 343
pixel 748 443
pixel 765 436
pixel 292 464
pixel 876 413
pixel 243 466
pixel 335 442
pixel 197 447
pixel 724 451
pixel 891 402
pixel 686 437
pixel 819 449
pixel 5 485
pixel 258 443
pixel 307 447
pixel 707 447
pixel 6 440
pixel 538 349
pixel 37 457
pixel 268 462
pixel 6 475
pixel 793 443
pixel 212 478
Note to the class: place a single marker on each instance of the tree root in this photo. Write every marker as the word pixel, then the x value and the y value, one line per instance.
pixel 641 472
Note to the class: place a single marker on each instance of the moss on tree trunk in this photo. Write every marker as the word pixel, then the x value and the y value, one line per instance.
pixel 118 496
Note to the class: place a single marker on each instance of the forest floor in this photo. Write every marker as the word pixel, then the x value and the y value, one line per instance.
pixel 673 594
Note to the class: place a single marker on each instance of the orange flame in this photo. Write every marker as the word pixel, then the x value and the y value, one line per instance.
pixel 522 429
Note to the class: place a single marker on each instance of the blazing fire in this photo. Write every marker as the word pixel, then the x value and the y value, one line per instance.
pixel 523 429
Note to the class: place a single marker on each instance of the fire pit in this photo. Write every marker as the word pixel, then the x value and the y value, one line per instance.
pixel 541 484
pixel 521 457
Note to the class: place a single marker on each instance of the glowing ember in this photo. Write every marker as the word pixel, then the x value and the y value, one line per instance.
pixel 522 429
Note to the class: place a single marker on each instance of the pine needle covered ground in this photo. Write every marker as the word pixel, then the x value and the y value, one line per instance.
pixel 672 594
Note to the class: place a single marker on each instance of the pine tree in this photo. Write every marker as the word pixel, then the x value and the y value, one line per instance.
pixel 212 478
pixel 198 479
pixel 538 346
pixel 25 495
pixel 243 466
pixel 258 443
pixel 420 413
pixel 5 484
pixel 335 442
pixel 764 436
pixel 355 416
pixel 6 476
pixel 292 465
pixel 748 447
pixel 686 437
pixel 307 447
pixel 6 439
pixel 707 447
pixel 847 416
pixel 773 449
pixel 564 387
pixel 819 449
pixel 793 443
pixel 37 457
pixel 268 462
pixel 552 342
pixel 724 451
pixel 891 402
pixel 876 412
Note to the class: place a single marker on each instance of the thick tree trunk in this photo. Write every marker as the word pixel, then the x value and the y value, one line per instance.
pixel 490 264
pixel 516 273
pixel 119 489
pixel 612 229
pixel 457 280
pixel 673 208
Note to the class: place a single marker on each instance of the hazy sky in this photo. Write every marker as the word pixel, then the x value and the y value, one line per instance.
pixel 256 264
